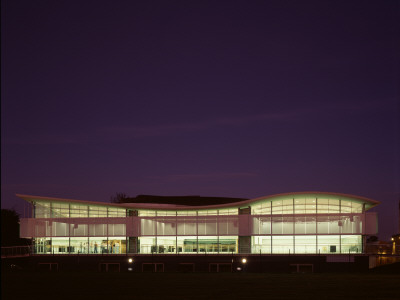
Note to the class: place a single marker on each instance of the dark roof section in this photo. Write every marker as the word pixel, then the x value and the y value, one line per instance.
pixel 182 200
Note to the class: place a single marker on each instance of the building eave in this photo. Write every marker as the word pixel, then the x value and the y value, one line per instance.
pixel 244 203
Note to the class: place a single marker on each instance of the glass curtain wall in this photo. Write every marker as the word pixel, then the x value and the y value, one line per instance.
pixel 305 224
pixel 299 225
pixel 66 236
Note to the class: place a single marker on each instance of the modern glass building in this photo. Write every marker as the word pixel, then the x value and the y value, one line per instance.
pixel 292 223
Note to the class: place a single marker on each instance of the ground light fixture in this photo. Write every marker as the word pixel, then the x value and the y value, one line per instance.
pixel 130 260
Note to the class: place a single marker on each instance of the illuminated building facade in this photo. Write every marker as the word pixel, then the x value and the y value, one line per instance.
pixel 292 223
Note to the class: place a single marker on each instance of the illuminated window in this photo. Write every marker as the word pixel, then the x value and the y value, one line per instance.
pixel 42 210
pixel 78 211
pixel 147 213
pixel 60 210
pixel 116 212
pixel 97 212
pixel 282 244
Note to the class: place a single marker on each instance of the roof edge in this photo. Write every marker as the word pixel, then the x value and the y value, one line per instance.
pixel 150 206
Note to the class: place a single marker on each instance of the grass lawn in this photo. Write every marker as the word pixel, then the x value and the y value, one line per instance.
pixel 118 286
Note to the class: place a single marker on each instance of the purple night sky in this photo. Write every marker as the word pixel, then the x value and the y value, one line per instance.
pixel 211 98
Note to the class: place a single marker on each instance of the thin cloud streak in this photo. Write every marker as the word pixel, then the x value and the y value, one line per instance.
pixel 127 132
pixel 123 133
pixel 213 176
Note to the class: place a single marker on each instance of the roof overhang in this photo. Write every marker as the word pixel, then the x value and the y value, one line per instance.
pixel 245 203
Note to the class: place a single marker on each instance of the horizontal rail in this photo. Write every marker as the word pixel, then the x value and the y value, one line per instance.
pixel 16 251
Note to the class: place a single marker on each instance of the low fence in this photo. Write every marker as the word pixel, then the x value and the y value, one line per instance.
pixel 16 251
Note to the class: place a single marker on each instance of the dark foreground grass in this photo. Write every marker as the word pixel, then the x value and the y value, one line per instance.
pixel 119 286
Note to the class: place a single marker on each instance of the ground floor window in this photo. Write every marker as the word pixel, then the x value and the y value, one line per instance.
pixel 208 244
pixel 268 244
pixel 188 244
pixel 328 244
pixel 261 244
pixel 80 245
pixel 351 244
pixel 227 244
pixel 282 244
pixel 307 244
pixel 166 244
pixel 147 245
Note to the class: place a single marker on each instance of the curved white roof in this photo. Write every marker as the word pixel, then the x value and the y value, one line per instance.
pixel 154 206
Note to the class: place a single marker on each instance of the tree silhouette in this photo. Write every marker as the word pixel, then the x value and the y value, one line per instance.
pixel 10 229
pixel 119 198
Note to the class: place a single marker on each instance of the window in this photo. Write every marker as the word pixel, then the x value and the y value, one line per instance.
pixel 42 210
pixel 60 210
pixel 166 225
pixel 305 244
pixel 328 244
pixel 78 211
pixel 282 244
pixel 261 244
pixel 300 205
pixel 116 212
pixel 186 225
pixel 277 207
pixel 351 244
pixel 263 208
pixel 146 213
pixel 78 229
pixel 207 225
pixel 229 212
pixel 97 212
